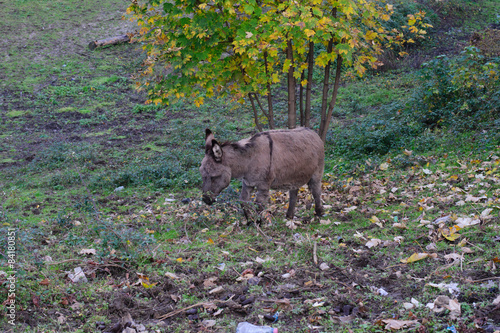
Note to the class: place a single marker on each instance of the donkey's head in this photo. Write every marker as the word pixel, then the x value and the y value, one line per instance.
pixel 214 173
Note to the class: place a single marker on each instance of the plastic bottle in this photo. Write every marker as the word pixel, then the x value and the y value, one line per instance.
pixel 249 328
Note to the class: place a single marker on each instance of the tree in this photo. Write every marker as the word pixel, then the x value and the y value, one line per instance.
pixel 246 48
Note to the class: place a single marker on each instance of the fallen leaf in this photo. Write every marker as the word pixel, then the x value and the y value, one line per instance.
pixel 384 166
pixel 216 290
pixel 88 251
pixel 415 257
pixel 463 222
pixel 373 242
pixel 210 282
pixel 453 256
pixel 208 323
pixel 393 324
pixel 172 276
pixel 472 198
pixel 45 282
pixel 431 247
pixel 347 210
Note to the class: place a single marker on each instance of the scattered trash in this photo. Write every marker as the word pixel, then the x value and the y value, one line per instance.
pixel 120 188
pixel 272 318
pixel 379 291
pixel 451 287
pixel 79 276
pixel 324 267
pixel 245 327
pixel 444 302
pixel 452 329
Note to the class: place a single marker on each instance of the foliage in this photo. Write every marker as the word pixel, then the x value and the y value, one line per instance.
pixel 197 50
pixel 455 95
pixel 462 93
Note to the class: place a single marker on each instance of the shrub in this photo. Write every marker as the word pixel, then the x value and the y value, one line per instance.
pixel 461 93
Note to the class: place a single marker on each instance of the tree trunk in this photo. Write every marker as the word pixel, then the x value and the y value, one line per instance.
pixel 301 101
pixel 109 41
pixel 328 117
pixel 326 79
pixel 255 115
pixel 292 113
pixel 269 96
pixel 310 67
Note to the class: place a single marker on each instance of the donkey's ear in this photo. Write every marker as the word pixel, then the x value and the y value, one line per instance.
pixel 217 151
pixel 209 137
pixel 207 133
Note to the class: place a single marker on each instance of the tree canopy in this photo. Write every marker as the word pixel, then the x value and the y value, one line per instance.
pixel 245 48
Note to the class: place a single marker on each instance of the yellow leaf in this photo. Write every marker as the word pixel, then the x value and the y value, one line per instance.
pixel 415 257
pixel 210 241
pixel 370 35
pixel 203 5
pixel 450 237
pixel 309 32
pixel 179 260
pixel 303 83
pixel 384 166
pixel 148 285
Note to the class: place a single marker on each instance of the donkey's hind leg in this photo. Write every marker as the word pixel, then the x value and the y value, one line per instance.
pixel 315 188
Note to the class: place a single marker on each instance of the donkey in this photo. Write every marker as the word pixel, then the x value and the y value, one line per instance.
pixel 277 159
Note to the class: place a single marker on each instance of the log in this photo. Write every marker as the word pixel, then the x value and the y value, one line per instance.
pixel 109 41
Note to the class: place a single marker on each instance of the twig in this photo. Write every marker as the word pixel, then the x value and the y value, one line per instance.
pixel 486 279
pixel 262 232
pixel 315 256
pixel 474 246
pixel 173 313
pixel 62 262
pixel 114 265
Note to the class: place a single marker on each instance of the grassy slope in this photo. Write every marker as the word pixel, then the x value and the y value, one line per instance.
pixel 72 130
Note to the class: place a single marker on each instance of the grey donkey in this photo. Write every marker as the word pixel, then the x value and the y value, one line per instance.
pixel 276 159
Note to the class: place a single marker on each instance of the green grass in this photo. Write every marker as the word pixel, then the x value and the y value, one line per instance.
pixel 88 133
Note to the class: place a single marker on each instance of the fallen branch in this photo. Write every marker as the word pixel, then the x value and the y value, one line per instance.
pixel 176 312
pixel 109 41
pixel 315 256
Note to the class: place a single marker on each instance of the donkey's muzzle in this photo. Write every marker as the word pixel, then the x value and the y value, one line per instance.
pixel 207 199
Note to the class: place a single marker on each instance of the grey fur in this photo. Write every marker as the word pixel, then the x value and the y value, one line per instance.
pixel 277 159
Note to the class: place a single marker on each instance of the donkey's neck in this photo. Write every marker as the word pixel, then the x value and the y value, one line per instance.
pixel 237 160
